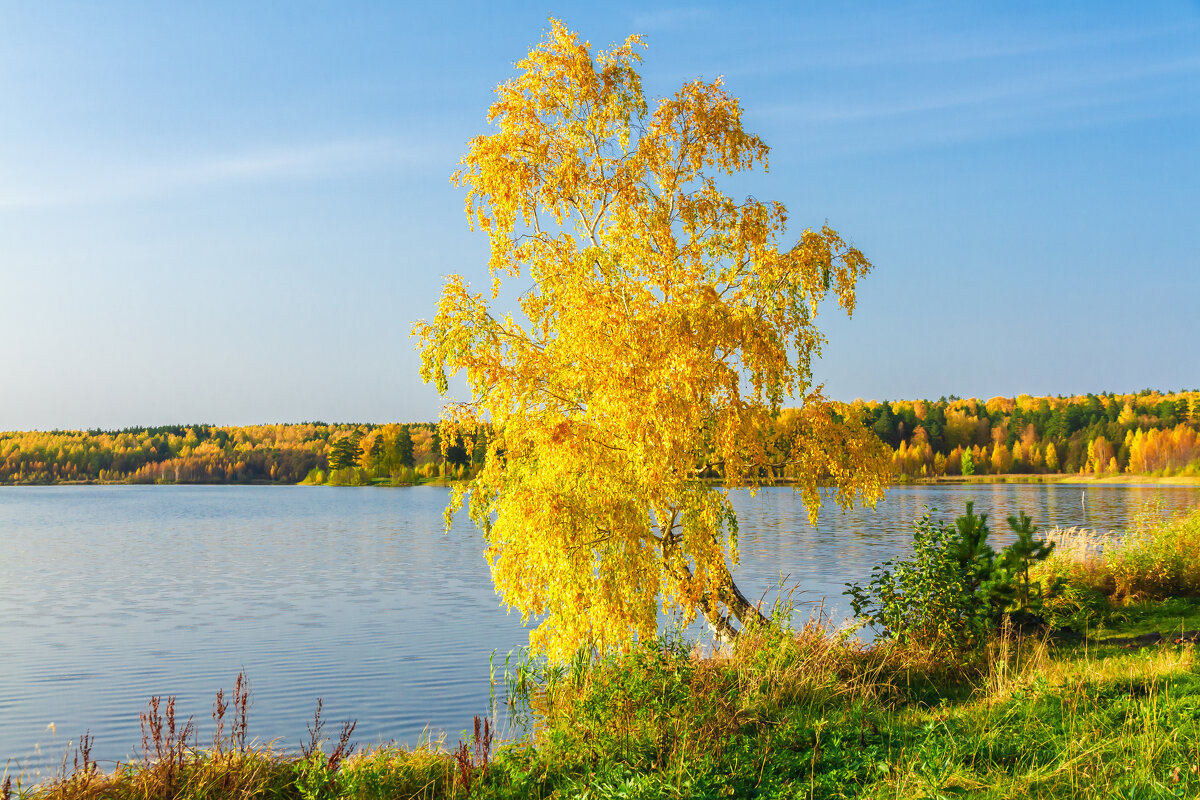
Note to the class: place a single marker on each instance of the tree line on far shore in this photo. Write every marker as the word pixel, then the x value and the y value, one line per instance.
pixel 1147 433
pixel 313 452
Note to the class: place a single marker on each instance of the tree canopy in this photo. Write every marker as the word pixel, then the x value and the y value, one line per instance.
pixel 659 328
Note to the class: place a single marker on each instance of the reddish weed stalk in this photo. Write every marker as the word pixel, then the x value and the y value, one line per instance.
pixel 469 763
pixel 168 740
pixel 340 752
pixel 241 704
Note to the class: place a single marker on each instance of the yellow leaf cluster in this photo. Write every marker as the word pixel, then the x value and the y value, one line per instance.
pixel 663 325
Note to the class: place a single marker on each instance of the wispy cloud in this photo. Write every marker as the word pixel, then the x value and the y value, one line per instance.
pixel 84 181
pixel 902 47
pixel 669 19
pixel 1055 88
pixel 921 107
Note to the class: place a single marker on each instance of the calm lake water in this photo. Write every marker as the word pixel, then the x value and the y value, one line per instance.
pixel 110 594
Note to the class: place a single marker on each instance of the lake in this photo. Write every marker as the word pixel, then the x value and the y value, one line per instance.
pixel 110 594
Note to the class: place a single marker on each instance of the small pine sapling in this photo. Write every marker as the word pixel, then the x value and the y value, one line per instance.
pixel 1022 554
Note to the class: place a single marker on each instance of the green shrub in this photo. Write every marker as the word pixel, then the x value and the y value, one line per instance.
pixel 1073 603
pixel 924 599
pixel 315 476
pixel 951 594
pixel 348 476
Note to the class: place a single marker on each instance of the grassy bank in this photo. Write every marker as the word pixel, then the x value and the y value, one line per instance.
pixel 793 715
pixel 1111 709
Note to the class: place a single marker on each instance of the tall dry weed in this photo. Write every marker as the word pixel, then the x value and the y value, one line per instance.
pixel 1154 559
pixel 1157 560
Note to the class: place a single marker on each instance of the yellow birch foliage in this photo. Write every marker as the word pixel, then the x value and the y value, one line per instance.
pixel 1163 450
pixel 1051 457
pixel 660 326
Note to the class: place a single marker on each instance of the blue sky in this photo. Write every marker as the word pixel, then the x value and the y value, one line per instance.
pixel 232 213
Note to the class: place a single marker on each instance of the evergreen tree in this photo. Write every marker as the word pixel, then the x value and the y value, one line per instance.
pixel 935 426
pixel 345 451
pixel 971 548
pixel 1023 553
pixel 885 425
pixel 404 447
pixel 456 454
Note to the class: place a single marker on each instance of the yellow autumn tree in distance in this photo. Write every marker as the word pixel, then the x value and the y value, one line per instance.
pixel 661 324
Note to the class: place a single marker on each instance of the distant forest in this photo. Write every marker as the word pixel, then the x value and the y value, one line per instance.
pixel 311 452
pixel 1148 433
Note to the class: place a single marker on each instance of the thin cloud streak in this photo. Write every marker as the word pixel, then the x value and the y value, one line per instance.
pixel 1032 86
pixel 287 163
pixel 949 49
pixel 1086 98
pixel 669 19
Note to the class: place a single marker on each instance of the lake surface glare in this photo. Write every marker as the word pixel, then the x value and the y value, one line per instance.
pixel 111 594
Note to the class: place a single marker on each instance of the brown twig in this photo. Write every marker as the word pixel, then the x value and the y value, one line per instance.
pixel 483 744
pixel 241 703
pixel 466 769
pixel 314 733
pixel 220 706
pixel 169 740
pixel 344 749
pixel 341 751
pixel 83 753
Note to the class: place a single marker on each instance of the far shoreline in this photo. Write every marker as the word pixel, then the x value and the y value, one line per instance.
pixel 1060 479
pixel 940 480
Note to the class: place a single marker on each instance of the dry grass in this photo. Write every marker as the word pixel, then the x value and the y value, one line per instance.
pixel 1155 559
pixel 1081 545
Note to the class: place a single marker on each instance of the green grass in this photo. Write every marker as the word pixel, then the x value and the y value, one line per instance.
pixel 1172 616
pixel 790 719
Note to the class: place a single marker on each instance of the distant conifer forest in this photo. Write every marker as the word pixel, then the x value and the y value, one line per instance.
pixel 1147 433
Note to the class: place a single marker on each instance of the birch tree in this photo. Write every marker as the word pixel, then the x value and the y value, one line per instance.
pixel 660 325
